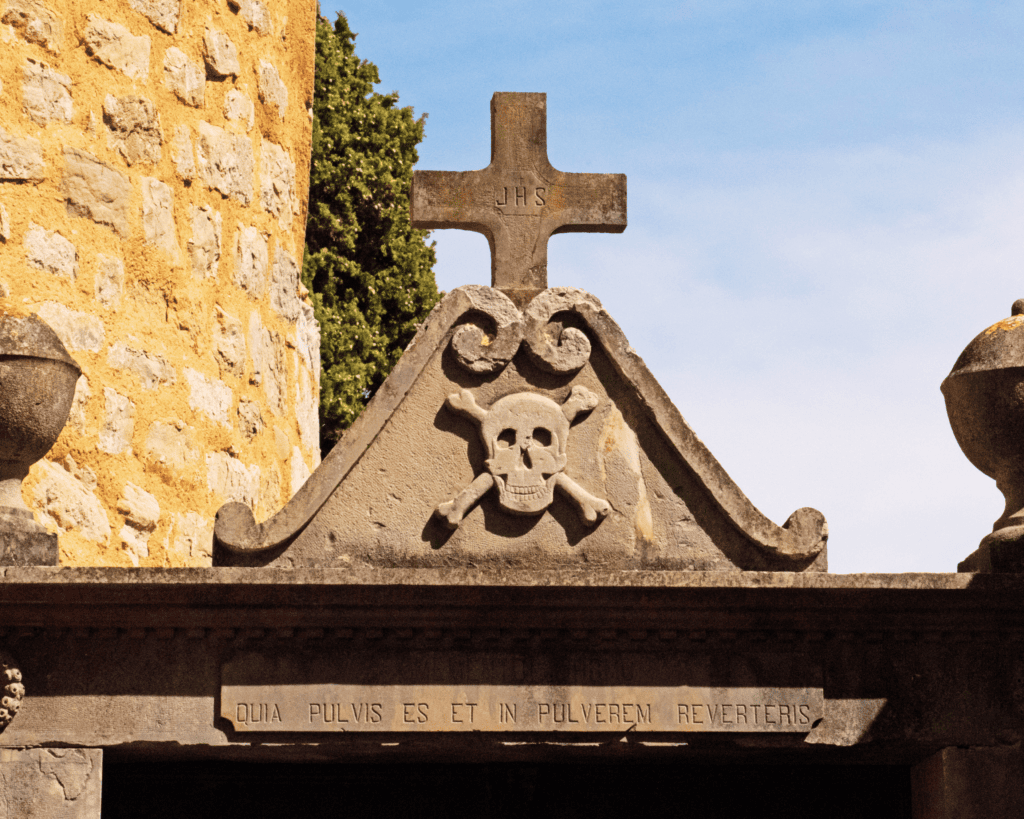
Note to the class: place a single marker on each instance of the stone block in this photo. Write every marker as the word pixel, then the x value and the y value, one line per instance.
pixel 96 191
pixel 142 512
pixel 284 286
pixel 167 445
pixel 307 413
pixel 220 55
pixel 118 423
pixel 229 344
pixel 46 94
pixel 969 783
pixel 226 162
pixel 21 159
pixel 116 47
pixel 191 539
pixel 185 78
pixel 152 370
pixel 78 420
pixel 5 225
pixel 210 396
pixel 134 126
pixel 109 281
pixel 48 250
pixel 272 91
pixel 277 183
pixel 307 336
pixel 255 15
pixel 158 216
pixel 35 22
pixel 181 154
pixel 76 330
pixel 300 471
pixel 250 420
pixel 231 479
pixel 62 501
pixel 51 783
pixel 164 14
pixel 251 261
pixel 19 548
pixel 238 107
pixel 268 364
pixel 204 246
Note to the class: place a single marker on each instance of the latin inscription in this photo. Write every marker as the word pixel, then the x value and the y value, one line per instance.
pixel 325 708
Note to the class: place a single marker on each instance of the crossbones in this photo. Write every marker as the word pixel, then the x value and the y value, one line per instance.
pixel 526 436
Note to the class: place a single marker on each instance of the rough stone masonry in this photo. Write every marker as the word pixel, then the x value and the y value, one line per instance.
pixel 153 165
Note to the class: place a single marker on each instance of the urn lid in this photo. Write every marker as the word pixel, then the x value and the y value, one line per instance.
pixel 999 347
pixel 31 337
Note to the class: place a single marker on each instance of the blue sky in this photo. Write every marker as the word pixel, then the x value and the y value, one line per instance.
pixel 826 204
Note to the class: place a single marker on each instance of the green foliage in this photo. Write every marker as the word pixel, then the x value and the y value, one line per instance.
pixel 370 274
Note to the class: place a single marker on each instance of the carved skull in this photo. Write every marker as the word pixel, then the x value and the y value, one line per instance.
pixel 525 435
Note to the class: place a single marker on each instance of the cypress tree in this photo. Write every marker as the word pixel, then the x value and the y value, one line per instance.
pixel 369 273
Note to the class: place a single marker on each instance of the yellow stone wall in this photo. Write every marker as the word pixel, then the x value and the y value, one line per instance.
pixel 154 166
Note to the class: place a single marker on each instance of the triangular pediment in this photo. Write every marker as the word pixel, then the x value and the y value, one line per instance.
pixel 533 439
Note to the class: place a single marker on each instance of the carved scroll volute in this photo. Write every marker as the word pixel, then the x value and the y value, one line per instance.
pixel 474 348
pixel 12 690
pixel 553 347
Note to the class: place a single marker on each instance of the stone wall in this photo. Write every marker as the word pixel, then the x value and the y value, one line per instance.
pixel 154 165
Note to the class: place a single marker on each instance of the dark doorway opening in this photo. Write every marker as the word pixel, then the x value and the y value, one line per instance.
pixel 503 791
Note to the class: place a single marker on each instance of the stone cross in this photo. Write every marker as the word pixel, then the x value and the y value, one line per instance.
pixel 519 200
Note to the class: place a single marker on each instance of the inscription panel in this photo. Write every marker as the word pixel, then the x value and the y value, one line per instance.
pixel 328 707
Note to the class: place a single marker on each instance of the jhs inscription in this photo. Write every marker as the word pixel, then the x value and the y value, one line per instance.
pixel 521 196
pixel 322 708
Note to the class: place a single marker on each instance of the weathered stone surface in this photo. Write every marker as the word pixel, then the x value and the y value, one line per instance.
pixel 163 14
pixel 231 479
pixel 167 445
pixel 152 370
pixel 969 783
pixel 307 415
pixel 307 335
pixel 250 420
pixel 46 94
pixel 255 15
pixel 237 106
pixel 229 344
pixel 35 22
pixel 210 396
pixel 204 246
pixel 220 55
pixel 185 78
pixel 5 226
pixel 62 501
pixel 158 216
pixel 191 539
pixel 118 422
pixel 142 512
pixel 96 191
pixel 272 91
pixel 78 420
pixel 21 159
pixel 116 47
pixel 226 162
pixel 109 281
pixel 282 444
pixel 284 286
pixel 51 783
pixel 134 125
pixel 48 250
pixel 251 261
pixel 300 471
pixel 77 330
pixel 268 363
pixel 181 154
pixel 277 183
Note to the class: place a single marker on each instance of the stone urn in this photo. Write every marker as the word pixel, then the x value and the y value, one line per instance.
pixel 37 387
pixel 985 402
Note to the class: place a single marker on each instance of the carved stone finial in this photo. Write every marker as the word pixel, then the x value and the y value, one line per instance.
pixel 985 402
pixel 37 387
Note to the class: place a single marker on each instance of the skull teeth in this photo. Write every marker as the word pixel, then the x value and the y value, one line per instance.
pixel 526 491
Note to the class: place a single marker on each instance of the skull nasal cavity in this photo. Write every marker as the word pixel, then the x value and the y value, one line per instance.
pixel 507 438
pixel 542 436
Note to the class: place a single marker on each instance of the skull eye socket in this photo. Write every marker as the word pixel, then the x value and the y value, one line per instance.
pixel 506 439
pixel 542 436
